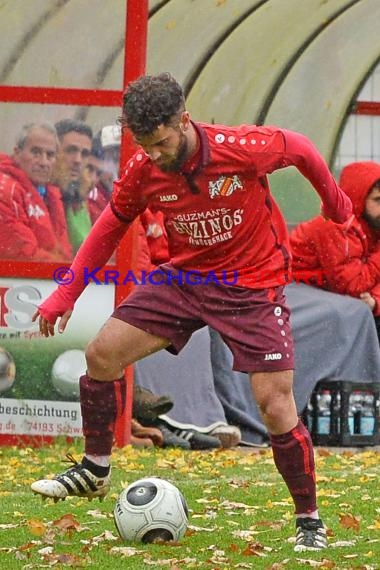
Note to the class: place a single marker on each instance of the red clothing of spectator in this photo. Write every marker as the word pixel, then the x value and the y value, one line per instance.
pixel 343 258
pixel 97 199
pixel 31 227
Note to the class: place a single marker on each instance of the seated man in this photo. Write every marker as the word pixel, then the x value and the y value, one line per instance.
pixel 345 258
pixel 33 225
pixel 110 139
pixel 98 195
pixel 75 143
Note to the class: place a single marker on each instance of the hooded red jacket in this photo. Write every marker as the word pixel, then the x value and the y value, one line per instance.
pixel 343 258
pixel 31 228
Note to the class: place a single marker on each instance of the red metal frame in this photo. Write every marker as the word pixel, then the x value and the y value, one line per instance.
pixel 60 96
pixel 136 25
pixel 366 108
pixel 134 66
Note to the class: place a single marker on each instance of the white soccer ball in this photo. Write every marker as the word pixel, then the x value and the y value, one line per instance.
pixel 65 373
pixel 7 370
pixel 151 509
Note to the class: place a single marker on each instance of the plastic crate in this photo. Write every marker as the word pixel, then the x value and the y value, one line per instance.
pixel 343 413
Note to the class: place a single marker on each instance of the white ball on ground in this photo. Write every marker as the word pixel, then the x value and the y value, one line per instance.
pixel 151 510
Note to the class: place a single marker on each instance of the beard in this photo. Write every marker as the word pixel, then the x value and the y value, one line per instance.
pixel 372 221
pixel 179 159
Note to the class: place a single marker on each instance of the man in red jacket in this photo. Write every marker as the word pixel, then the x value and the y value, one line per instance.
pixel 345 259
pixel 227 245
pixel 32 217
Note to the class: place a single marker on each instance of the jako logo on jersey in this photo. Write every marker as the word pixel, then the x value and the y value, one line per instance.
pixel 273 356
pixel 224 186
pixel 169 198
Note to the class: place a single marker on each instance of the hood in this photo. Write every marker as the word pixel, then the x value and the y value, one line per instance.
pixel 8 166
pixel 356 180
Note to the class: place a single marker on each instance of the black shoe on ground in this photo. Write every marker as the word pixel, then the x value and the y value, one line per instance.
pixel 198 440
pixel 310 535
pixel 170 438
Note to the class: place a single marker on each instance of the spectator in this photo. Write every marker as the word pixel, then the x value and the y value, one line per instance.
pixel 110 138
pixel 33 224
pixel 345 258
pixel 70 174
pixel 98 195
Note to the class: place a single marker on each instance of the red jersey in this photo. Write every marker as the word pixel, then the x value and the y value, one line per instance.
pixel 219 213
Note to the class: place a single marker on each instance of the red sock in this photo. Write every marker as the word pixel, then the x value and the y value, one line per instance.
pixel 101 403
pixel 294 459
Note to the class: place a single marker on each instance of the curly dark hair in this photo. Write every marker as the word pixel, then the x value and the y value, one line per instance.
pixel 151 101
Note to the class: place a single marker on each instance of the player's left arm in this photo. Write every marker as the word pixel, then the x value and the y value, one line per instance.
pixel 95 251
pixel 302 153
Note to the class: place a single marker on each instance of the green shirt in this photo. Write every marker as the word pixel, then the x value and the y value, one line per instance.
pixel 78 225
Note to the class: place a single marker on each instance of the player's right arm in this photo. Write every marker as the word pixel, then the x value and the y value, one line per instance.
pixel 94 253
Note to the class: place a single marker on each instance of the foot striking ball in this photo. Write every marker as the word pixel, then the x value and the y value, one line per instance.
pixel 7 370
pixel 151 510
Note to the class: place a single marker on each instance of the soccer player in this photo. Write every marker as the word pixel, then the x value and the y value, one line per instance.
pixel 229 260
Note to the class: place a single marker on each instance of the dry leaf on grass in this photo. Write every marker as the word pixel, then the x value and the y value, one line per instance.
pixel 36 527
pixel 349 521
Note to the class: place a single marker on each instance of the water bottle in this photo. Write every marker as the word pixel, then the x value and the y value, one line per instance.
pixel 335 417
pixel 368 414
pixel 324 401
pixel 355 413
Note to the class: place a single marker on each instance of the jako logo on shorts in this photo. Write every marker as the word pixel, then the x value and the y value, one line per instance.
pixel 273 356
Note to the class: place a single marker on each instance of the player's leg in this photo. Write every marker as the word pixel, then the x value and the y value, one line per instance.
pixel 256 327
pixel 150 319
pixel 292 452
pixel 102 398
pixel 102 388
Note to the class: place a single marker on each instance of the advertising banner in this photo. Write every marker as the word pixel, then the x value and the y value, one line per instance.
pixel 39 377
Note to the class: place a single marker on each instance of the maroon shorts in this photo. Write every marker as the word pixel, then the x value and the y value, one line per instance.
pixel 253 323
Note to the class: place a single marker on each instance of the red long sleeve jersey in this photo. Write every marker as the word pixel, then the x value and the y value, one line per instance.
pixel 219 214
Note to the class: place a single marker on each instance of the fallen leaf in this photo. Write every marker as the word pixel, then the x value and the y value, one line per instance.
pixel 349 521
pixel 342 543
pixel 36 527
pixel 97 514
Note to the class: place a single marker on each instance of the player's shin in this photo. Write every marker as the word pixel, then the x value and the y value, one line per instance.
pixel 101 404
pixel 294 459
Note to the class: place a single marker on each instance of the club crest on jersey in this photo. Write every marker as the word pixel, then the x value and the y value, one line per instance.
pixel 224 186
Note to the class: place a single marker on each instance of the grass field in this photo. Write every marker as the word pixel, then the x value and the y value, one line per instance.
pixel 240 512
